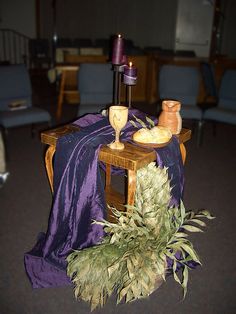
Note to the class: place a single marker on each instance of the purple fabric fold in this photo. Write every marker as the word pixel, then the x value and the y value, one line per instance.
pixel 79 196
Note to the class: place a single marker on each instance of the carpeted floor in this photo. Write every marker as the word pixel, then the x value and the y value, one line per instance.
pixel 25 202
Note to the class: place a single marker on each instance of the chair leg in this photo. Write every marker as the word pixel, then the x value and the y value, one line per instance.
pixel 4 139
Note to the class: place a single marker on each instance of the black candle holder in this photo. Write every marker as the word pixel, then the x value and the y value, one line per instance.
pixel 118 70
pixel 130 79
pixel 128 96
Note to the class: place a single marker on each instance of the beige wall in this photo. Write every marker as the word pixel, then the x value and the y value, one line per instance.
pixel 228 24
pixel 147 23
pixel 18 15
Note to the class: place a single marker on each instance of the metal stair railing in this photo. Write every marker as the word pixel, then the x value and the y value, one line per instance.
pixel 13 47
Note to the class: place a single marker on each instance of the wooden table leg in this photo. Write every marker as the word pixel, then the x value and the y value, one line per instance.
pixel 131 187
pixel 183 152
pixel 61 95
pixel 49 166
pixel 108 176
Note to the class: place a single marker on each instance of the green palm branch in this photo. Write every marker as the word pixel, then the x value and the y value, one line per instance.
pixel 131 260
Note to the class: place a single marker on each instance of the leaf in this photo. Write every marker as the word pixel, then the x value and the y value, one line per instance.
pixel 171 255
pixel 130 268
pixel 191 228
pixel 77 291
pixel 181 235
pixel 133 123
pixel 134 290
pixel 190 215
pixel 185 280
pixel 152 123
pixel 198 221
pixel 174 272
pixel 123 292
pixel 191 252
pixel 204 213
pixel 186 260
pixel 129 296
pixel 140 122
pixel 145 286
pixel 113 268
pixel 182 212
pixel 95 299
pixel 160 268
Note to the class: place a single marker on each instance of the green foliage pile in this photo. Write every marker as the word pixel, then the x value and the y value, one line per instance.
pixel 131 259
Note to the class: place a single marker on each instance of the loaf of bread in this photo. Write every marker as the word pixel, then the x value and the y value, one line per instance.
pixel 155 135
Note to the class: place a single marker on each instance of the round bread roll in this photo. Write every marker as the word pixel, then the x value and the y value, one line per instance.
pixel 155 135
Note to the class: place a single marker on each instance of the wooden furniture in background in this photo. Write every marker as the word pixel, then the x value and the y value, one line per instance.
pixel 144 91
pixel 77 59
pixel 65 88
pixel 131 159
pixel 148 68
pixel 68 85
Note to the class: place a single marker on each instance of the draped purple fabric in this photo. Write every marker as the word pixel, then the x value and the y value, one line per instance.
pixel 79 196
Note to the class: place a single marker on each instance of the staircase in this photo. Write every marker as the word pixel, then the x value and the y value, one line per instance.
pixel 13 47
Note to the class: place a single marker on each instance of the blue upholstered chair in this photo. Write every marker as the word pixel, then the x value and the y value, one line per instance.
pixel 225 111
pixel 16 107
pixel 208 76
pixel 181 83
pixel 95 86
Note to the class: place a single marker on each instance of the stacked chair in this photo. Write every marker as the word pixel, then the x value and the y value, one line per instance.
pixel 16 107
pixel 181 83
pixel 208 76
pixel 95 86
pixel 224 109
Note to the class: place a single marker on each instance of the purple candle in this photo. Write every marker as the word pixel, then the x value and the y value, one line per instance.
pixel 130 74
pixel 118 50
pixel 124 59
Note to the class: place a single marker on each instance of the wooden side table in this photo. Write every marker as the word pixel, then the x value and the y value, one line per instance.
pixel 131 159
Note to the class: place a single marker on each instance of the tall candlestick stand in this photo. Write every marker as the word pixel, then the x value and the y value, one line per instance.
pixel 128 95
pixel 118 69
pixel 119 89
pixel 117 61
pixel 115 85
pixel 130 79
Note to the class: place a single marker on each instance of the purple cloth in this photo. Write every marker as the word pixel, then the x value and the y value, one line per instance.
pixel 79 197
